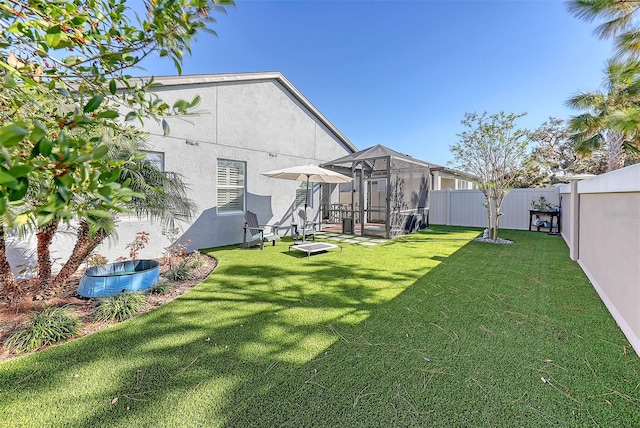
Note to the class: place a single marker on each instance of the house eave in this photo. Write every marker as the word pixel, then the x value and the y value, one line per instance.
pixel 453 172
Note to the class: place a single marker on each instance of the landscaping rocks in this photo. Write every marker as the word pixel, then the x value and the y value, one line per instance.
pixel 497 241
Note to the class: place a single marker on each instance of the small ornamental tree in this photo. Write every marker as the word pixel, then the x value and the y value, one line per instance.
pixel 491 149
pixel 64 97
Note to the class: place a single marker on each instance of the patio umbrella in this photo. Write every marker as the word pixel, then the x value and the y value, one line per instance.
pixel 309 174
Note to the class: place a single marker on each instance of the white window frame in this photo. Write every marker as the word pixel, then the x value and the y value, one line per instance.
pixel 224 183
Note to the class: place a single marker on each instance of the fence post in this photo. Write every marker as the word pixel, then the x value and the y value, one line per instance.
pixel 574 237
pixel 448 207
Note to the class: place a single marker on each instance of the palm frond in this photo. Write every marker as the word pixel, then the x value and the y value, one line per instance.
pixel 628 44
pixel 633 90
pixel 103 226
pixel 14 219
pixel 619 70
pixel 586 101
pixel 626 121
pixel 631 146
pixel 165 193
pixel 618 14
pixel 614 27
pixel 585 143
pixel 586 122
pixel 588 10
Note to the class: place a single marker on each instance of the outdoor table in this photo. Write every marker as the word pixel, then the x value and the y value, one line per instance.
pixel 551 215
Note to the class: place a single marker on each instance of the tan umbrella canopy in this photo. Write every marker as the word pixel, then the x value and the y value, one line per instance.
pixel 309 174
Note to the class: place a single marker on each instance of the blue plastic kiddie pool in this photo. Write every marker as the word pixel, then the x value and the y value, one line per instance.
pixel 129 275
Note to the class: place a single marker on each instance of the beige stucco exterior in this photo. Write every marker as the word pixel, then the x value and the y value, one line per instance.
pixel 607 222
pixel 602 225
pixel 444 179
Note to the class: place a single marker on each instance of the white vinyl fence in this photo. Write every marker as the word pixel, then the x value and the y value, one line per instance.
pixel 464 207
pixel 600 224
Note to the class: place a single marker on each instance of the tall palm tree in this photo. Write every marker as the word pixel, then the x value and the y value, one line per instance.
pixel 612 117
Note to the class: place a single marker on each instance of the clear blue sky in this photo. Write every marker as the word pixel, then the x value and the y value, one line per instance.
pixel 403 73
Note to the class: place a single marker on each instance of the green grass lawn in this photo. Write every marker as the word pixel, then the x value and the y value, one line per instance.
pixel 432 329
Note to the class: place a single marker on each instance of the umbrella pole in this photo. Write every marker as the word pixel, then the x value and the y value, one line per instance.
pixel 306 203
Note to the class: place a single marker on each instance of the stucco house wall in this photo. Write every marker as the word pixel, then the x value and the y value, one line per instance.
pixel 256 118
pixel 260 119
pixel 445 178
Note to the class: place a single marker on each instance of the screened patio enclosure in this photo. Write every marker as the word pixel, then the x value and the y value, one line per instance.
pixel 388 197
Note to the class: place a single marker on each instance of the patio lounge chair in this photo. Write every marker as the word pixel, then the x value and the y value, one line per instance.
pixel 257 232
pixel 307 228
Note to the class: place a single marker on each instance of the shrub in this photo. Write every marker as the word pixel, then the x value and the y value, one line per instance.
pixel 119 306
pixel 541 204
pixel 176 252
pixel 44 328
pixel 181 272
pixel 95 259
pixel 141 240
pixel 161 287
pixel 196 260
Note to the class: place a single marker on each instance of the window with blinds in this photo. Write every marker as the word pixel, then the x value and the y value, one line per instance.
pixel 231 185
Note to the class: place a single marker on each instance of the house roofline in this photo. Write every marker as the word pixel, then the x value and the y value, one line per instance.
pixel 376 152
pixel 435 167
pixel 195 79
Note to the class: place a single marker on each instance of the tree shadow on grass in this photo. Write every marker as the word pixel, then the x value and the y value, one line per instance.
pixel 366 338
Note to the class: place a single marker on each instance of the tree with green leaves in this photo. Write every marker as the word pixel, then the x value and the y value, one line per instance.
pixel 491 149
pixel 553 157
pixel 64 93
pixel 612 115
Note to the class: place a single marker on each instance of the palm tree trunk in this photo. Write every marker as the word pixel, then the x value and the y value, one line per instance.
pixel 615 148
pixel 7 279
pixel 85 244
pixel 45 236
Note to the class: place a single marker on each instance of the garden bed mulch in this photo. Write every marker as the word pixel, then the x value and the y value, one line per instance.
pixel 32 298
